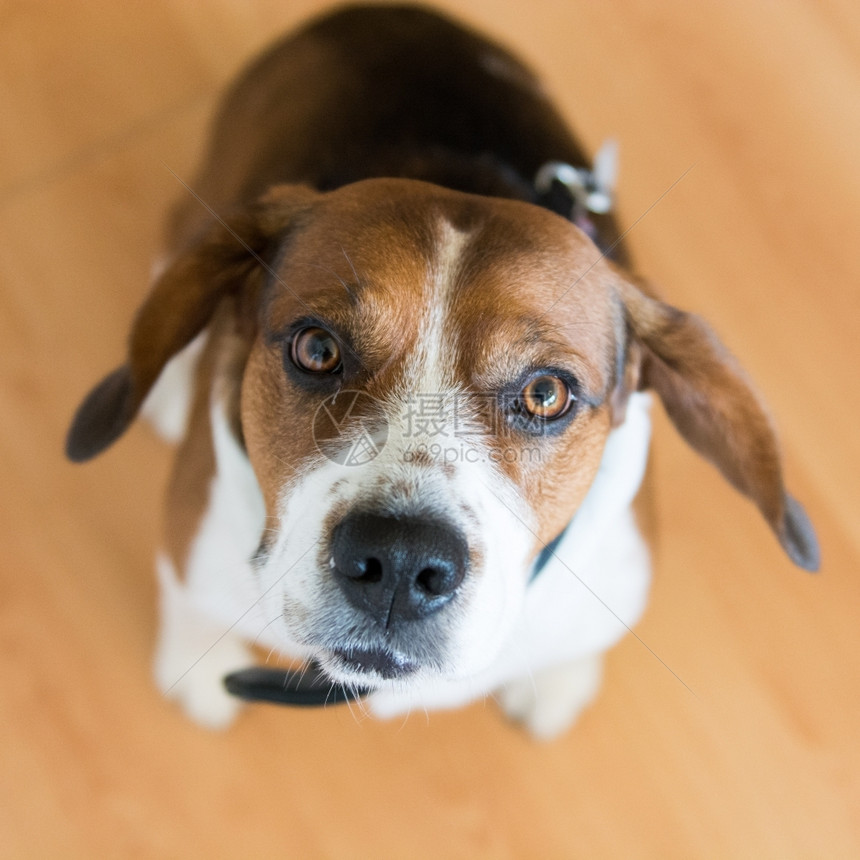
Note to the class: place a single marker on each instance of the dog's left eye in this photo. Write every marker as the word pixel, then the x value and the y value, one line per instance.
pixel 547 397
pixel 315 350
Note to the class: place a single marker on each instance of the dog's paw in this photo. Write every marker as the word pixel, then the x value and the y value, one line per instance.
pixel 548 703
pixel 193 655
pixel 195 680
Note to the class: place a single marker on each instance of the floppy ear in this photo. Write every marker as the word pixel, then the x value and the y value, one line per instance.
pixel 714 407
pixel 179 306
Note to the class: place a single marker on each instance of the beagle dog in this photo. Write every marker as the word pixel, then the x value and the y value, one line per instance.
pixel 409 368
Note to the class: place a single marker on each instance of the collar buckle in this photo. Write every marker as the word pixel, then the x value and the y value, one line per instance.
pixel 590 189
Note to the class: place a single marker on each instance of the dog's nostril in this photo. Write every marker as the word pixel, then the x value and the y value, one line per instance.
pixel 433 582
pixel 371 570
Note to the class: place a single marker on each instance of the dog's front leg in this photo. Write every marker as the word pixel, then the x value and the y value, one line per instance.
pixel 549 702
pixel 193 654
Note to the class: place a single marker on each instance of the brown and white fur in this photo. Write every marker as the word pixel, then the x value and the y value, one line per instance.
pixel 371 176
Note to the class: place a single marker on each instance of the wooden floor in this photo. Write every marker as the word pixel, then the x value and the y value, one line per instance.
pixel 757 107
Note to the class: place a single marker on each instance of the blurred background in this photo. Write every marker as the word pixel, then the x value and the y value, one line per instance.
pixel 757 106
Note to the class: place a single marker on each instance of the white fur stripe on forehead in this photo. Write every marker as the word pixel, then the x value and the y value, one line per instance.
pixel 429 370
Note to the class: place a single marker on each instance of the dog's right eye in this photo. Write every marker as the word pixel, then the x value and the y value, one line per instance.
pixel 315 350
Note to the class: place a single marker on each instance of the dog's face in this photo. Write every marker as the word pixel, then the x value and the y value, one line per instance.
pixel 474 352
pixel 425 388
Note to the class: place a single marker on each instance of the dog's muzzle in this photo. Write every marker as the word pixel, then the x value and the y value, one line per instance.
pixel 397 569
pixel 393 570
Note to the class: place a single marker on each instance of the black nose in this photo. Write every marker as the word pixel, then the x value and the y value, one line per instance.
pixel 398 568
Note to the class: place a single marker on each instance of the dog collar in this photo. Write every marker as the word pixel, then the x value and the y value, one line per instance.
pixel 547 553
pixel 309 687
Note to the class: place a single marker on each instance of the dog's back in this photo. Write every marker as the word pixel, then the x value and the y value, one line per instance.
pixel 382 92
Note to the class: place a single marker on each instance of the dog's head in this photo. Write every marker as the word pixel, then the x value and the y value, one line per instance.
pixel 427 381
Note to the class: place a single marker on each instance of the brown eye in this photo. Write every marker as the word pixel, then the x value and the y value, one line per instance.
pixel 547 397
pixel 316 351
